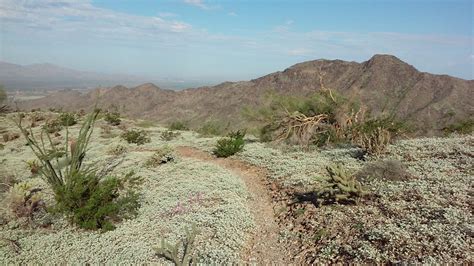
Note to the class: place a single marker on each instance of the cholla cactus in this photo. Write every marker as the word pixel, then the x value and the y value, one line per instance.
pixel 171 252
pixel 341 186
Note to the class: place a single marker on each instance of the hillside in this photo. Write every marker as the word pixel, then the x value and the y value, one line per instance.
pixel 256 207
pixel 384 83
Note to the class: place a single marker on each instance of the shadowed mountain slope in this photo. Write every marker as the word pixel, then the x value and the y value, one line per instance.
pixel 384 83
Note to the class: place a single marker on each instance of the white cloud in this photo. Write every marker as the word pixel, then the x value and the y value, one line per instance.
pixel 198 3
pixel 233 14
pixel 300 52
pixel 81 16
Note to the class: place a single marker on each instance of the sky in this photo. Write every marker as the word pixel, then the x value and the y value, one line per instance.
pixel 219 41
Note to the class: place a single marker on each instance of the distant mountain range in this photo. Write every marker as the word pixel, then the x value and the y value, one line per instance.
pixel 53 77
pixel 382 83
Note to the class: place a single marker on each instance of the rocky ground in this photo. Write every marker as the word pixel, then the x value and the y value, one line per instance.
pixel 259 205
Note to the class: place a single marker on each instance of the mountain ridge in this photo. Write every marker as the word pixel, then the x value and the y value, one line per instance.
pixel 382 83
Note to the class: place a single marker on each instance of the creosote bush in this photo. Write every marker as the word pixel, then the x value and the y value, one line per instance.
pixel 230 145
pixel 90 199
pixel 112 118
pixel 136 136
pixel 67 119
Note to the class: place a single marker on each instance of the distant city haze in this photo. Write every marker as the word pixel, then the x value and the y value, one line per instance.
pixel 198 42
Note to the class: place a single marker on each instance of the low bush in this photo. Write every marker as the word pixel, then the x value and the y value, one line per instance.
pixel 462 127
pixel 117 150
pixel 89 199
pixel 161 156
pixel 52 126
pixel 169 135
pixel 212 128
pixel 112 118
pixel 230 145
pixel 178 125
pixel 67 119
pixel 10 136
pixel 136 136
pixel 93 202
pixel 392 170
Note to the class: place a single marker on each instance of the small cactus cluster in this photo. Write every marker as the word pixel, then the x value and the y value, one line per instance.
pixel 171 252
pixel 341 187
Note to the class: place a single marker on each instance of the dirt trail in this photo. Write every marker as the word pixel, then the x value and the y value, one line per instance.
pixel 263 248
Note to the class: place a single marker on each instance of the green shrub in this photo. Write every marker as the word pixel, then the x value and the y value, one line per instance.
pixel 93 202
pixel 67 119
pixel 89 199
pixel 230 145
pixel 169 135
pixel 136 136
pixel 178 125
pixel 113 118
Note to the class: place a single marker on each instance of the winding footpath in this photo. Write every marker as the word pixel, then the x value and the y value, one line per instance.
pixel 263 248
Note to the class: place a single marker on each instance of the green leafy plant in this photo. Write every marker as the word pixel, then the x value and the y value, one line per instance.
pixel 172 252
pixel 113 118
pixel 88 198
pixel 340 187
pixel 169 135
pixel 67 119
pixel 178 125
pixel 136 136
pixel 230 145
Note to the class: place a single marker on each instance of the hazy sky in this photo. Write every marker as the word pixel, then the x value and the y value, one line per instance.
pixel 234 40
